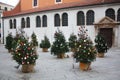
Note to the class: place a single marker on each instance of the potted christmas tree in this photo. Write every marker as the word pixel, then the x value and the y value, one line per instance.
pixel 34 41
pixel 72 42
pixel 8 44
pixel 59 46
pixel 15 41
pixel 25 54
pixel 86 52
pixel 45 44
pixel 101 45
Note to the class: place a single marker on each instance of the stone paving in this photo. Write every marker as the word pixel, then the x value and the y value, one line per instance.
pixel 48 67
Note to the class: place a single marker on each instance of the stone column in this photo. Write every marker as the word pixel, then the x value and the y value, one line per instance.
pixel 116 36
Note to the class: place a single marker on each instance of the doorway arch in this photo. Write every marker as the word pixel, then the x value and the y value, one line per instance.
pixel 109 29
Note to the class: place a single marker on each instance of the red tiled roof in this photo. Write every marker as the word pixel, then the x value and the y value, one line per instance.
pixel 12 12
pixel 63 6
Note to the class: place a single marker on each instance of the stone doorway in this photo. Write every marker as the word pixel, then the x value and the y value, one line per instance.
pixel 109 28
pixel 107 33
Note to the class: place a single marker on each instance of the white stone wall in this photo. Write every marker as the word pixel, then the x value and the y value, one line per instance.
pixel 50 29
pixel 9 7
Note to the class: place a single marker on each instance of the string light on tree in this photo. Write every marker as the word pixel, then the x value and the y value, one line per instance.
pixel 59 45
pixel 24 52
pixel 85 49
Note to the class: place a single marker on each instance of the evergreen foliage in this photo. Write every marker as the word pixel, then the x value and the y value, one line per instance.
pixel 15 40
pixel 59 45
pixel 86 52
pixel 45 43
pixel 24 53
pixel 34 41
pixel 101 44
pixel 72 41
pixel 9 40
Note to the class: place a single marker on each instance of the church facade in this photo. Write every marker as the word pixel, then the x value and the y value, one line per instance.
pixel 44 17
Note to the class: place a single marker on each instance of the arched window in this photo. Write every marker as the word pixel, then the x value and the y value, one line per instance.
pixel 118 15
pixel 80 18
pixel 110 13
pixel 44 21
pixel 38 21
pixel 10 23
pixel 90 17
pixel 65 19
pixel 6 9
pixel 14 23
pixel 57 20
pixel 27 22
pixel 22 23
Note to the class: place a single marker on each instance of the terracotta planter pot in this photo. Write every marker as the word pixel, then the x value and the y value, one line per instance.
pixel 85 66
pixel 10 51
pixel 100 55
pixel 73 49
pixel 45 49
pixel 28 68
pixel 61 56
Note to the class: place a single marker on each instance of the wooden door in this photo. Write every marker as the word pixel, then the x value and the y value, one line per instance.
pixel 107 34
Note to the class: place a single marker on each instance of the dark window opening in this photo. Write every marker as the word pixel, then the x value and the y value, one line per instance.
pixel 90 17
pixel 118 15
pixel 14 23
pixel 6 9
pixel 57 20
pixel 65 19
pixel 58 0
pixel 10 22
pixel 38 21
pixel 28 22
pixel 80 18
pixel 35 2
pixel 44 18
pixel 22 23
pixel 110 13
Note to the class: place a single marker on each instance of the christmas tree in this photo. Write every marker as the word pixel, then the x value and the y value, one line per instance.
pixel 24 53
pixel 18 35
pixel 101 44
pixel 15 41
pixel 9 40
pixel 59 46
pixel 45 44
pixel 72 42
pixel 86 52
pixel 34 41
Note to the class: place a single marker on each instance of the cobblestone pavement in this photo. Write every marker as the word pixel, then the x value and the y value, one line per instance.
pixel 48 67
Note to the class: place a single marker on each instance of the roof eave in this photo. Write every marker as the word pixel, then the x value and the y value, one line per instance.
pixel 17 14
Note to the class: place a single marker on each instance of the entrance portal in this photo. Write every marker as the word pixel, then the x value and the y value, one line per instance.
pixel 109 29
pixel 107 34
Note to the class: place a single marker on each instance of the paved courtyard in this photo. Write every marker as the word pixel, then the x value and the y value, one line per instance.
pixel 48 67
